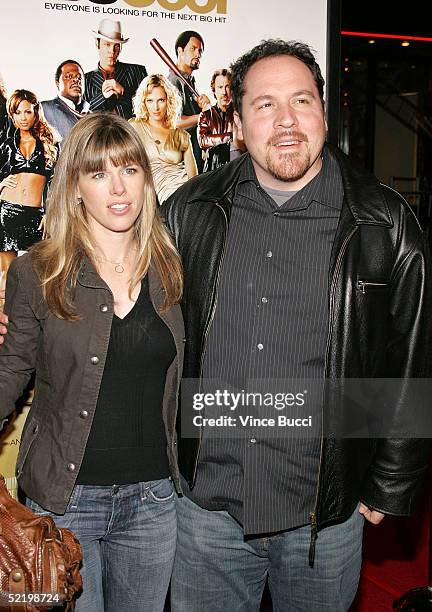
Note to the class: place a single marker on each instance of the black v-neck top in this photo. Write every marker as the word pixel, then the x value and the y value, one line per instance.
pixel 127 441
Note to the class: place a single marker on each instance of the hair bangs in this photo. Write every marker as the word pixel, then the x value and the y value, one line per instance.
pixel 18 96
pixel 110 144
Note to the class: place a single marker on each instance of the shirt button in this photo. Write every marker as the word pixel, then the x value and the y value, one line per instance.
pixel 269 254
pixel 260 346
pixel 94 359
pixel 35 429
pixel 103 308
pixel 71 467
pixel 252 440
pixel 264 300
pixel 83 414
pixel 276 214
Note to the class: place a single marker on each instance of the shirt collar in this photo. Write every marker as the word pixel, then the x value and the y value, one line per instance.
pixel 107 74
pixel 84 104
pixel 325 188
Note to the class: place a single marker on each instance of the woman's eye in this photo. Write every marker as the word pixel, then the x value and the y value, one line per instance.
pixel 130 170
pixel 99 175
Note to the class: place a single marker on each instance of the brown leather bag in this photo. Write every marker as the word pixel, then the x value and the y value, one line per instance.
pixel 39 562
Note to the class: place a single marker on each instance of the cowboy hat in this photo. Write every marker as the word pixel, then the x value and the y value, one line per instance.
pixel 110 30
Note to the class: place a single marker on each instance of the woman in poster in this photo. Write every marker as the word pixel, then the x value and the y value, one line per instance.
pixel 157 108
pixel 94 311
pixel 27 160
pixel 4 120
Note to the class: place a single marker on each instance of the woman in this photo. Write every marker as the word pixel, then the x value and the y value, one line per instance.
pixel 94 309
pixel 157 107
pixel 27 159
pixel 4 120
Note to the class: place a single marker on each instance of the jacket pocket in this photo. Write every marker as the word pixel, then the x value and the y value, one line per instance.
pixel 30 433
pixel 366 286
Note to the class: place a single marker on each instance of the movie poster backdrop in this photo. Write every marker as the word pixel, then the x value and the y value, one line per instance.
pixel 38 35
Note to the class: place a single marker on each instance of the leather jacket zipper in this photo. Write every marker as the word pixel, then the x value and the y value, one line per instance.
pixel 313 515
pixel 363 284
pixel 207 329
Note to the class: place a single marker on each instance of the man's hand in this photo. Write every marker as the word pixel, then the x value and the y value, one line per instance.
pixel 111 87
pixel 373 516
pixel 3 319
pixel 203 102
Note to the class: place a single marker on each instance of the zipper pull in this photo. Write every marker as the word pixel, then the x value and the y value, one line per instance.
pixel 361 286
pixel 314 537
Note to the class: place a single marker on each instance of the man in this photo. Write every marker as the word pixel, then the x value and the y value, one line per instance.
pixel 297 265
pixel 64 111
pixel 189 48
pixel 215 125
pixel 113 84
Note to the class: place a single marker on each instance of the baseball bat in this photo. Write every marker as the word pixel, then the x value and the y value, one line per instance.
pixel 168 61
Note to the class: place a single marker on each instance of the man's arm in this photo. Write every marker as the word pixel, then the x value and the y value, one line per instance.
pixel 393 481
pixel 208 137
pixel 19 348
pixel 3 320
pixel 93 91
pixel 190 121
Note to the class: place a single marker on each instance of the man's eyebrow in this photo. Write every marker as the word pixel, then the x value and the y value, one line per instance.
pixel 300 92
pixel 261 97
pixel 304 92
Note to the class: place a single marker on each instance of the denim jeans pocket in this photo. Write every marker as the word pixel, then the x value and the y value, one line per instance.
pixel 160 490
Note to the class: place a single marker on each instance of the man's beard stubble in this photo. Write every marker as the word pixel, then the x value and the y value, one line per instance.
pixel 288 166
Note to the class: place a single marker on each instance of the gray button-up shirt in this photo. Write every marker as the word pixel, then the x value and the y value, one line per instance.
pixel 271 322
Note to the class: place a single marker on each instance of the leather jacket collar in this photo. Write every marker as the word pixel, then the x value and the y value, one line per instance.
pixel 362 190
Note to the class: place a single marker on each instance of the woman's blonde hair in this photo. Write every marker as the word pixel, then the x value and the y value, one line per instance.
pixel 174 102
pixel 92 142
pixel 40 128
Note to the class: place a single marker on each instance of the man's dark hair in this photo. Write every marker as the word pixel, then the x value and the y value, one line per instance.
pixel 219 72
pixel 184 38
pixel 59 68
pixel 272 48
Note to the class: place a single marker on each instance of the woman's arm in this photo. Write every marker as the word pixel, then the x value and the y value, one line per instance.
pixel 19 350
pixel 9 181
pixel 190 163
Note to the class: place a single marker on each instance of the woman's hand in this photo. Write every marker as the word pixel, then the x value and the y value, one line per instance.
pixel 10 182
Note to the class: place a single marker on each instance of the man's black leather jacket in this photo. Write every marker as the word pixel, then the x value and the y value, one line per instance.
pixel 375 330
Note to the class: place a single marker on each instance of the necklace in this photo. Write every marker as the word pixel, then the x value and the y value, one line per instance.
pixel 157 141
pixel 118 265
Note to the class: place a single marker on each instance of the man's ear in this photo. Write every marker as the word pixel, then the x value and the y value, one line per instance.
pixel 238 125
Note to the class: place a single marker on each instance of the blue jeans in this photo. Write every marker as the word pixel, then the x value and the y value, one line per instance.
pixel 216 569
pixel 128 536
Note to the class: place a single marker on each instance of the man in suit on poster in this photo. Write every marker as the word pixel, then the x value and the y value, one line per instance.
pixel 64 111
pixel 112 86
